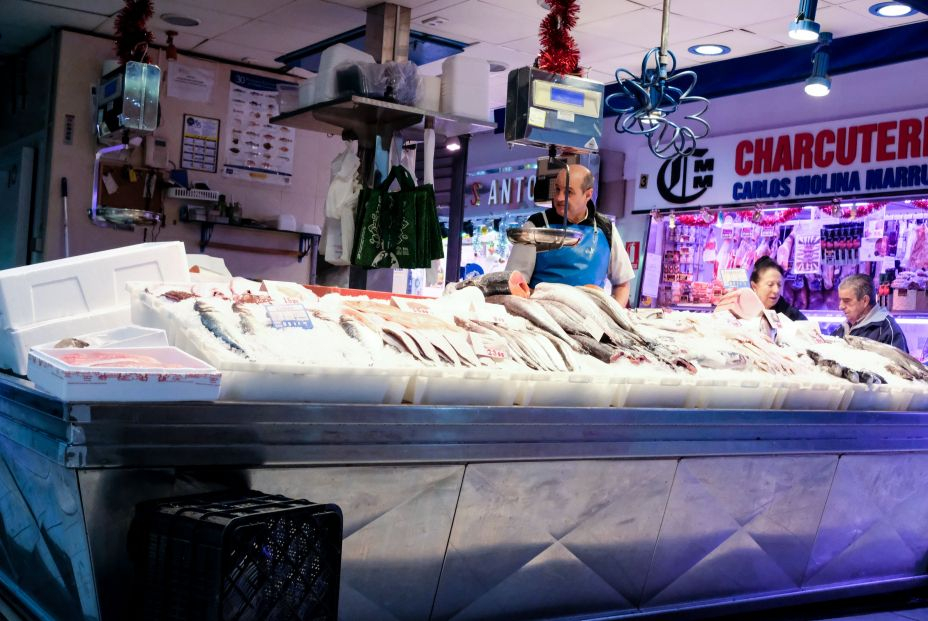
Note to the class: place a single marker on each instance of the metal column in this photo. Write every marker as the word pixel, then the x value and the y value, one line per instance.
pixel 456 210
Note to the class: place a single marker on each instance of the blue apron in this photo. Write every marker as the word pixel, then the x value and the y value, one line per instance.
pixel 587 263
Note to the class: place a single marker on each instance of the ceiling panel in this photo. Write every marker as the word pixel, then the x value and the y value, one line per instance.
pixel 318 16
pixel 238 53
pixel 101 7
pixel 183 40
pixel 736 14
pixel 242 8
pixel 212 23
pixel 741 43
pixel 862 8
pixel 366 4
pixel 277 38
pixel 643 28
pixel 432 7
pixel 24 23
pixel 474 20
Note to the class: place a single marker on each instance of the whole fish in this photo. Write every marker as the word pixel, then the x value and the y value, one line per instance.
pixel 213 321
pixel 246 319
pixel 896 356
pixel 533 312
pixel 585 306
pixel 564 349
pixel 371 341
pixel 613 309
pixel 571 322
pixel 511 339
pixel 600 351
pixel 498 283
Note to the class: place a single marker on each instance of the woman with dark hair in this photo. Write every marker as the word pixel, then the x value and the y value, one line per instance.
pixel 767 283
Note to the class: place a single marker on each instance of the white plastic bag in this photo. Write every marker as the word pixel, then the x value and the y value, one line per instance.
pixel 341 202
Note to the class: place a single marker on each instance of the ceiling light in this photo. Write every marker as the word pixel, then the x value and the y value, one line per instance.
pixel 804 27
pixel 453 144
pixel 819 84
pixel 181 21
pixel 709 49
pixel 892 9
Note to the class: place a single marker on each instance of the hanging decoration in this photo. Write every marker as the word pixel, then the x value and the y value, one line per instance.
pixel 132 38
pixel 559 51
pixel 647 101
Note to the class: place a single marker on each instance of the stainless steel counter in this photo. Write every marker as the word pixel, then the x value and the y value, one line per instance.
pixel 484 513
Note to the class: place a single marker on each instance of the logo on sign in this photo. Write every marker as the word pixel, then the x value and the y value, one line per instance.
pixel 685 178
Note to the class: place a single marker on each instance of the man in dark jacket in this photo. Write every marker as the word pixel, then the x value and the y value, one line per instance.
pixel 864 317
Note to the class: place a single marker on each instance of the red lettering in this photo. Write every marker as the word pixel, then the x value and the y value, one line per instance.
pixel 763 149
pixel 846 149
pixel 885 140
pixel 823 159
pixel 866 146
pixel 909 139
pixel 782 158
pixel 802 151
pixel 925 138
pixel 742 162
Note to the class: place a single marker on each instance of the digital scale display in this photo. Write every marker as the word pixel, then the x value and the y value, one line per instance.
pixel 567 96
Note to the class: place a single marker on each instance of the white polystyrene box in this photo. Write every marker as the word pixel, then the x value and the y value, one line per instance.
pixel 329 60
pixel 177 377
pixel 85 284
pixel 460 386
pixel 817 394
pixel 879 398
pixel 465 87
pixel 734 390
pixel 569 390
pixel 15 344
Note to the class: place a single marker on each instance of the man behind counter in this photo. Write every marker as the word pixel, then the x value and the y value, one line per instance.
pixel 856 297
pixel 599 255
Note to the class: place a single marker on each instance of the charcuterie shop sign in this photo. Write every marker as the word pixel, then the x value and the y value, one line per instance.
pixel 868 156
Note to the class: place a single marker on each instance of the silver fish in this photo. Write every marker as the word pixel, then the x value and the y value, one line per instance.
pixel 370 340
pixel 214 322
pixel 570 321
pixel 897 356
pixel 564 349
pixel 246 319
pixel 516 351
pixel 613 309
pixel 533 312
pixel 71 342
pixel 600 351
pixel 587 307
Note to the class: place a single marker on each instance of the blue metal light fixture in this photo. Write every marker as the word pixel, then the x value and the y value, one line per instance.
pixel 819 84
pixel 804 27
pixel 646 101
pixel 892 9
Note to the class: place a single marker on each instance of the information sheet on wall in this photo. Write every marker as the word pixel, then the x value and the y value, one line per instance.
pixel 255 149
pixel 200 144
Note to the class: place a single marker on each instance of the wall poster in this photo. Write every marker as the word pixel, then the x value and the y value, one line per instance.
pixel 200 143
pixel 256 150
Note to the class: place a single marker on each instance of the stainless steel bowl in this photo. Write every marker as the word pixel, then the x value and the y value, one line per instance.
pixel 544 238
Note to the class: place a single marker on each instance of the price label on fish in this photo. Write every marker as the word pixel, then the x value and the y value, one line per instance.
pixel 487 347
pixel 289 316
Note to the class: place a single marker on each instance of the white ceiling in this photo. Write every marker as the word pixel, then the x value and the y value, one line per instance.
pixel 611 33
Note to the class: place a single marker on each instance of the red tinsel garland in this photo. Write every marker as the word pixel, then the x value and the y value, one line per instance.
pixel 132 38
pixel 559 52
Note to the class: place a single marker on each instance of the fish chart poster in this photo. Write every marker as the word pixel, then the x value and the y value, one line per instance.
pixel 200 143
pixel 256 150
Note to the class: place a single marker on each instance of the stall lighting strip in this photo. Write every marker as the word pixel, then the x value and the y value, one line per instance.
pixel 915 321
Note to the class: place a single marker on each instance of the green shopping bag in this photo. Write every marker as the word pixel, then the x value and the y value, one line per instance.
pixel 397 229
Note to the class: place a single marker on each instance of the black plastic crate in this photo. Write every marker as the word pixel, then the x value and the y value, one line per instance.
pixel 236 556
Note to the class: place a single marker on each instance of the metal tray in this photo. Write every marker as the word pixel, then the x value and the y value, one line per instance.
pixel 125 217
pixel 544 238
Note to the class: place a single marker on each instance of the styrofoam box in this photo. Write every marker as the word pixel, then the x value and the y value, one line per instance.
pixel 567 390
pixel 86 283
pixel 459 386
pixel 193 381
pixel 879 398
pixel 15 344
pixel 814 394
pixel 919 400
pixel 658 391
pixel 735 391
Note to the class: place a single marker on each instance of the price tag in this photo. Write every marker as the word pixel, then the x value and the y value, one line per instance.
pixel 289 316
pixel 595 330
pixel 488 347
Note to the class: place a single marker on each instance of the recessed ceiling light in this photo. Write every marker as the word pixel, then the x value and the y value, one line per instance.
pixel 180 20
pixel 709 49
pixel 497 66
pixel 891 9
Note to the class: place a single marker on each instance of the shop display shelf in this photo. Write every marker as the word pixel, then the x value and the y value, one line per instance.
pixel 366 117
